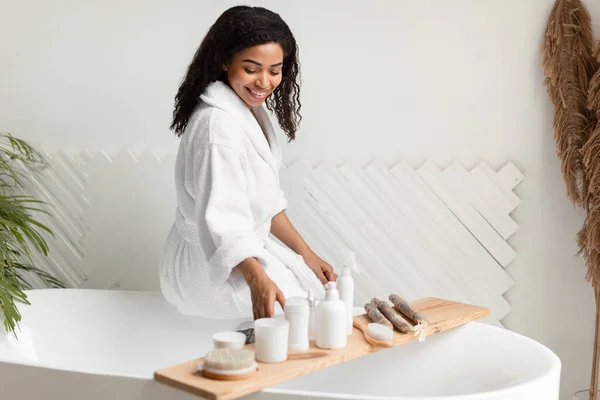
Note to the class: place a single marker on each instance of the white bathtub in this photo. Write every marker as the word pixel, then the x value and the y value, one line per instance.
pixel 92 344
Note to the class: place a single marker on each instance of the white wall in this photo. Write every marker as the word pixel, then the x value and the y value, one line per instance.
pixel 388 80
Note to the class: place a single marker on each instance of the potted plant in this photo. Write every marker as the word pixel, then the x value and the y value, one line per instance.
pixel 20 232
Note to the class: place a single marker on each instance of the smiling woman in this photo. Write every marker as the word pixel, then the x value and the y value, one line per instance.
pixel 254 73
pixel 219 260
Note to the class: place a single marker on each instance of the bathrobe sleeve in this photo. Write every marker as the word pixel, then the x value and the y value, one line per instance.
pixel 281 203
pixel 225 211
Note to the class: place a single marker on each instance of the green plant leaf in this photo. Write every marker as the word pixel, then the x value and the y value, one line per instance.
pixel 21 230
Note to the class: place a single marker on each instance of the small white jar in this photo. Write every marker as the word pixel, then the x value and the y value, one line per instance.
pixel 296 313
pixel 229 340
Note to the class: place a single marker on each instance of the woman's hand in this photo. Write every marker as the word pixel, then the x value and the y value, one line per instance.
pixel 263 291
pixel 282 229
pixel 323 270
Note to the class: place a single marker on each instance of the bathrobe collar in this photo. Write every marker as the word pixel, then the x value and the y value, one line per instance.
pixel 220 95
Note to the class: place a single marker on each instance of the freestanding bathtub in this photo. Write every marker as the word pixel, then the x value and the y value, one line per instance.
pixel 96 344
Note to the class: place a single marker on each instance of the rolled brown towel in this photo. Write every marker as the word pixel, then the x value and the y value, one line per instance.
pixel 376 316
pixel 407 310
pixel 421 322
pixel 392 315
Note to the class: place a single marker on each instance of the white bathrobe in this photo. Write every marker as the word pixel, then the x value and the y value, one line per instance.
pixel 227 183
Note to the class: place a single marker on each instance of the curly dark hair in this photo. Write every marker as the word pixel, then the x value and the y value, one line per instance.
pixel 236 29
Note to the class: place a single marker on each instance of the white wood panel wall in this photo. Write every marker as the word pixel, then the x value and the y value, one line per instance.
pixel 418 232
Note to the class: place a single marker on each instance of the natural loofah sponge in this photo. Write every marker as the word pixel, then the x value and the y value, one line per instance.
pixel 229 359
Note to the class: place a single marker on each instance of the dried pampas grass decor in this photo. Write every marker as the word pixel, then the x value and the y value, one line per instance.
pixel 588 238
pixel 571 67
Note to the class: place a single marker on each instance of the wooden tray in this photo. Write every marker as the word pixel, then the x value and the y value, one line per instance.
pixel 442 315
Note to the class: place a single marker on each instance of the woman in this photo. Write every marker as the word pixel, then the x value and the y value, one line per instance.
pixel 219 260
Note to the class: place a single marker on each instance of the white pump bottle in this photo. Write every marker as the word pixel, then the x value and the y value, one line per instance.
pixel 331 320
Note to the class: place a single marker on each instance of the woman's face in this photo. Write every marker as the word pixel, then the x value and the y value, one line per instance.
pixel 255 72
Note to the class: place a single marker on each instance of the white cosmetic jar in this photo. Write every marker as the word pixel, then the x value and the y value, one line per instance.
pixel 271 339
pixel 229 340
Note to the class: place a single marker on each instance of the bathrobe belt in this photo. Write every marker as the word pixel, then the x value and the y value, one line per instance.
pixel 188 231
pixel 288 257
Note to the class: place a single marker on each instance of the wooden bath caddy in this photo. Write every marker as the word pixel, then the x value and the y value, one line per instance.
pixel 442 315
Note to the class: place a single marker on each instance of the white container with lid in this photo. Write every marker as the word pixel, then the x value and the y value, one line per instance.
pixel 271 339
pixel 229 340
pixel 297 313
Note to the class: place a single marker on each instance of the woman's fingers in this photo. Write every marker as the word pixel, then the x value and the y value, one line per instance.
pixel 321 276
pixel 263 299
pixel 280 298
pixel 328 272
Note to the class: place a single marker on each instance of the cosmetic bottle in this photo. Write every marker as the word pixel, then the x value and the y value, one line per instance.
pixel 311 315
pixel 296 313
pixel 330 321
pixel 345 285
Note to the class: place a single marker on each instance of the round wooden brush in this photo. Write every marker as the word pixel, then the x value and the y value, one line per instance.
pixel 228 364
